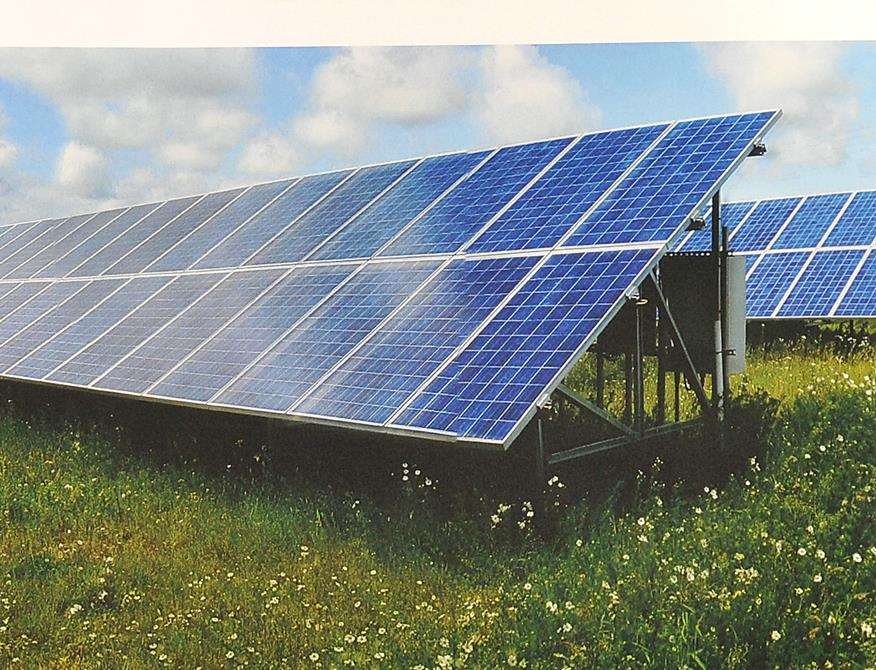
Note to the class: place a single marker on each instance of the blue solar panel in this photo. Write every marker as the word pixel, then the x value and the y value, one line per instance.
pixel 329 215
pixel 770 280
pixel 567 190
pixel 296 363
pixel 75 234
pixel 662 191
pixel 119 246
pixel 821 283
pixel 35 244
pixel 860 300
pixel 26 236
pixel 858 223
pixel 109 349
pixel 382 221
pixel 492 384
pixel 33 309
pixel 453 221
pixel 87 329
pixel 237 345
pixel 138 259
pixel 55 318
pixel 379 377
pixel 732 214
pixel 763 224
pixel 156 357
pixel 811 221
pixel 88 247
pixel 250 237
pixel 202 239
pixel 17 296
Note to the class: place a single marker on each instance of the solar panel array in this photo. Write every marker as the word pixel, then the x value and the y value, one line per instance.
pixel 442 297
pixel 806 257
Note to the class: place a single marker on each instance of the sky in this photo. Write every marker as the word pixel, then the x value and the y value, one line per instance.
pixel 89 129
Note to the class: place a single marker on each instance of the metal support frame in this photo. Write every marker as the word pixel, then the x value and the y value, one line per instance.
pixel 720 356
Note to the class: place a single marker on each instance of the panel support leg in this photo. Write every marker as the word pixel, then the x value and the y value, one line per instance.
pixel 639 381
pixel 600 379
pixel 661 372
pixel 717 369
pixel 628 388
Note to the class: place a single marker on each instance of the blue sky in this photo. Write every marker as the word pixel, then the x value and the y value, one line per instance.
pixel 87 129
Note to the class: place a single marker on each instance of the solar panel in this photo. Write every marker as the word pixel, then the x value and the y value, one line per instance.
pixel 122 337
pixel 860 296
pixel 763 223
pixel 313 228
pixel 69 341
pixel 770 280
pixel 372 384
pixel 124 244
pixel 521 255
pixel 380 223
pixel 807 226
pixel 818 288
pixel 251 235
pixel 732 215
pixel 454 220
pixel 289 368
pixel 229 352
pixel 153 358
pixel 484 390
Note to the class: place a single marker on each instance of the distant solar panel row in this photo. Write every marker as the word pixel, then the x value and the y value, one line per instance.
pixel 808 256
pixel 441 297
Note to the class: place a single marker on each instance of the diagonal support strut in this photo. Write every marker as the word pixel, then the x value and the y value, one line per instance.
pixel 593 408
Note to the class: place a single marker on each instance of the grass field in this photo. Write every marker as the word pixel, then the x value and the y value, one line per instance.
pixel 126 546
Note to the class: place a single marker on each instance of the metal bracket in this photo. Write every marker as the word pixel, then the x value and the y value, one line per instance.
pixel 759 149
pixel 583 403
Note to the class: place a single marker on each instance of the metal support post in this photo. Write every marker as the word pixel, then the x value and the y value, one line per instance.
pixel 717 369
pixel 638 366
pixel 725 324
pixel 628 388
pixel 661 370
pixel 677 380
pixel 600 379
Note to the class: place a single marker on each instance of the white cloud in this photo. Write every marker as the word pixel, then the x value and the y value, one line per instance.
pixel 83 170
pixel 524 96
pixel 186 109
pixel 270 155
pixel 8 153
pixel 807 81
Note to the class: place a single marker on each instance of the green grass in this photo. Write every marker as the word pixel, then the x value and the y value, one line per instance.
pixel 112 557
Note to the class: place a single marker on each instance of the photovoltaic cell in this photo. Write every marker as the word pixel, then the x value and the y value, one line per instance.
pixel 860 300
pixel 130 238
pixel 763 224
pixel 171 345
pixel 491 385
pixel 811 221
pixel 16 297
pixel 244 242
pixel 821 283
pixel 857 225
pixel 191 248
pixel 373 383
pixel 58 316
pixel 297 362
pixel 237 345
pixel 25 236
pixel 34 308
pixel 140 257
pixel 453 221
pixel 320 222
pixel 48 236
pixel 109 349
pixel 87 247
pixel 88 328
pixel 770 280
pixel 569 188
pixel 379 223
pixel 76 234
pixel 732 214
pixel 662 191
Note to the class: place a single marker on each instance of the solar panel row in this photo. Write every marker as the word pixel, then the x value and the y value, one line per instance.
pixel 807 257
pixel 443 296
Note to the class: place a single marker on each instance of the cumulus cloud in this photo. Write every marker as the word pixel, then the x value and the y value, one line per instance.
pixel 184 109
pixel 524 96
pixel 83 170
pixel 8 151
pixel 270 154
pixel 807 81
